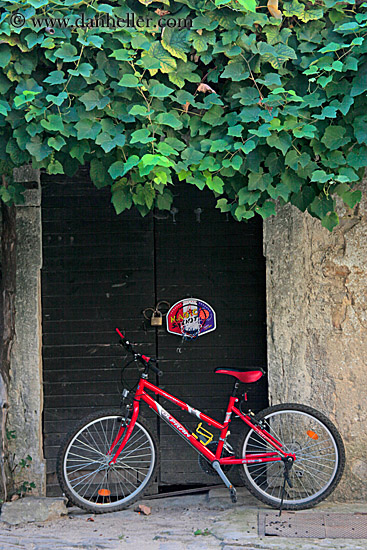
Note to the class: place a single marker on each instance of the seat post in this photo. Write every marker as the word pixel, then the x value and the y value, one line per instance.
pixel 235 388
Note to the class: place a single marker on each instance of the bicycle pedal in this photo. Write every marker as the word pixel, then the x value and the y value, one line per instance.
pixel 233 494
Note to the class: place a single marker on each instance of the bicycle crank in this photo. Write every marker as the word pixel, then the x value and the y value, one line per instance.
pixel 224 478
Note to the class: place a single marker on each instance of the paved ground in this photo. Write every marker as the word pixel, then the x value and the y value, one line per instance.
pixel 205 522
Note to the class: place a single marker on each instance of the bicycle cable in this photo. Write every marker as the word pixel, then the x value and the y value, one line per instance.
pixel 124 382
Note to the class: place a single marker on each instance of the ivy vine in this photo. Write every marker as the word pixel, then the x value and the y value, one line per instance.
pixel 218 93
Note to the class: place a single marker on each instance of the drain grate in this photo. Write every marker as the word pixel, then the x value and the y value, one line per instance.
pixel 313 525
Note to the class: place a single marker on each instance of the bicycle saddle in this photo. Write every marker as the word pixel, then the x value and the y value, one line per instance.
pixel 245 376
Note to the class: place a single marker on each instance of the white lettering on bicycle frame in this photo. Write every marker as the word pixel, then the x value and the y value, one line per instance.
pixel 228 416
pixel 171 420
pixel 193 411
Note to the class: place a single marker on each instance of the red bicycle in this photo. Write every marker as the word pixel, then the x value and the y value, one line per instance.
pixel 290 456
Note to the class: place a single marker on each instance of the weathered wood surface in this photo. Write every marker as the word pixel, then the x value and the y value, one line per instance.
pixel 101 270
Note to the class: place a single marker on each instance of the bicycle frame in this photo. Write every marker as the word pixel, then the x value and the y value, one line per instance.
pixel 277 455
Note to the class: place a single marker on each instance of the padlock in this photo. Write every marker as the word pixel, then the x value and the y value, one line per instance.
pixel 156 319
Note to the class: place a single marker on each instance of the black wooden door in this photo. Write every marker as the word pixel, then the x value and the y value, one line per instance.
pixel 205 254
pixel 101 270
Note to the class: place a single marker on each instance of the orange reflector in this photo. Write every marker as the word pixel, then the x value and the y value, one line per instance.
pixel 312 435
pixel 104 492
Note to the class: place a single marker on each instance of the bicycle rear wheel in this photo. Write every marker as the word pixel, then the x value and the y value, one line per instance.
pixel 83 470
pixel 319 450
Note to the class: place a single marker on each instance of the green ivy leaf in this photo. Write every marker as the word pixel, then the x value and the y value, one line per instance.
pixel 307 130
pixel 235 71
pixel 357 157
pixel 38 3
pixel 218 145
pixel 259 181
pixel 38 149
pixel 276 55
pixel 215 184
pixel 139 110
pixel 56 142
pixel 98 173
pixel 92 100
pixel 160 90
pixel 248 107
pixel 87 128
pixel 223 205
pixel 330 221
pixel 116 170
pixel 303 198
pixel 321 176
pixel 169 119
pixel 57 99
pixel 333 137
pixel 67 52
pixel 360 128
pixel 167 63
pixel 359 84
pixel 249 5
pixel 164 201
pixel 53 123
pixel 248 96
pixel 241 213
pixel 79 150
pixel 129 81
pixel 185 72
pixel 321 206
pixel 132 161
pixel 5 55
pixel 83 69
pixel 262 131
pixel 122 55
pixel 281 190
pixel 108 143
pixel 55 167
pixel 266 210
pixel 281 141
pixel 175 42
pixel 235 130
pixel 121 200
pixel 4 108
pixel 192 156
pixel 152 160
pixel 141 136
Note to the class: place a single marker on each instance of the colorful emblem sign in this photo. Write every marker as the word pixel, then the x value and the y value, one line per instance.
pixel 191 318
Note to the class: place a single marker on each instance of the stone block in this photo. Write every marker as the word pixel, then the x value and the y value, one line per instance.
pixel 33 509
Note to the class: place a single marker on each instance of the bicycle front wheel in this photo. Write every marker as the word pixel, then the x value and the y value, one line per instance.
pixel 319 451
pixel 83 470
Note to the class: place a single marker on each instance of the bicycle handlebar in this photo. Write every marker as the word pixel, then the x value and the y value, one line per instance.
pixel 146 361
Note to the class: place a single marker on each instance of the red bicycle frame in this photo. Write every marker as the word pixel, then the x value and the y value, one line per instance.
pixel 141 394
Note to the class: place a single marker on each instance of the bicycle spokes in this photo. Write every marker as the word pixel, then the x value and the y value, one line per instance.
pixel 315 464
pixel 87 467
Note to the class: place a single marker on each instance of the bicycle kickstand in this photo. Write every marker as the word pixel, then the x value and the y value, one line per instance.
pixel 287 467
pixel 224 478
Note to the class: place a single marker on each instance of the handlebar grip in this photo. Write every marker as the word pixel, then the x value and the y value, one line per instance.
pixel 156 369
pixel 148 361
pixel 125 342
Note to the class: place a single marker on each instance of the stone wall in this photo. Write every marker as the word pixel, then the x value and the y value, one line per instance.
pixel 317 324
pixel 317 328
pixel 26 388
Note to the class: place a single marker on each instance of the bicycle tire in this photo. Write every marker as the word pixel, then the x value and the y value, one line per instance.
pixel 319 450
pixel 82 464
